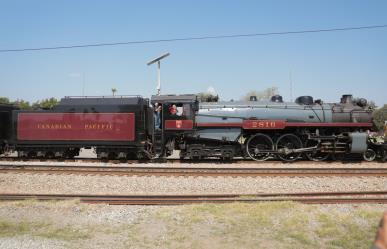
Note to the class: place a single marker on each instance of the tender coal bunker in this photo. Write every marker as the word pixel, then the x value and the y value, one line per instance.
pixel 99 104
pixel 305 100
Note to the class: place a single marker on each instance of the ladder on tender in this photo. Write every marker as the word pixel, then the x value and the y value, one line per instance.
pixel 158 143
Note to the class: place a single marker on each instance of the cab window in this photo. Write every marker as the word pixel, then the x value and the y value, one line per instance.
pixel 179 109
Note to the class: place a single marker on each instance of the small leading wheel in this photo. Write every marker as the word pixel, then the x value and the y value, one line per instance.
pixel 384 156
pixel 369 155
pixel 259 147
pixel 316 154
pixel 285 146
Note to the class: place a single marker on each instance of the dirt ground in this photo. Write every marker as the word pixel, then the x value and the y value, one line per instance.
pixel 70 224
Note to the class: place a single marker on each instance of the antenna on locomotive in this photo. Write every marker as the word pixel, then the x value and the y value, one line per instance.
pixel 158 59
pixel 291 86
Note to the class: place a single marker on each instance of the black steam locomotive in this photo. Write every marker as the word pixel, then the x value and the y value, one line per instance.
pixel 127 127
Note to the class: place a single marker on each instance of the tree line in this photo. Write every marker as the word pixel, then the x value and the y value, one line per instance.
pixel 380 117
pixel 25 105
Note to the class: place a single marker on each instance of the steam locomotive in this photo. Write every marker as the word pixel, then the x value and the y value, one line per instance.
pixel 123 127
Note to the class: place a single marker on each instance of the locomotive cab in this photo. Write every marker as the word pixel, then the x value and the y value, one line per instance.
pixel 175 120
pixel 178 111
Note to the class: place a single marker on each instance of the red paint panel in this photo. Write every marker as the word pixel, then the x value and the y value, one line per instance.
pixel 338 124
pixel 76 126
pixel 263 124
pixel 178 124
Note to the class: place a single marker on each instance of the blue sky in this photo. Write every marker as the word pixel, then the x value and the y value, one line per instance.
pixel 324 65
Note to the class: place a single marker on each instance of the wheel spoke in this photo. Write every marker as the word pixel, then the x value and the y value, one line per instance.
pixel 316 154
pixel 285 144
pixel 369 155
pixel 259 147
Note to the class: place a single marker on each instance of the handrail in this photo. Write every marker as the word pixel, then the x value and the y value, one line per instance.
pixel 109 96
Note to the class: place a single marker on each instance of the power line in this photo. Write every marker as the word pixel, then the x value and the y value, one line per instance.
pixel 195 38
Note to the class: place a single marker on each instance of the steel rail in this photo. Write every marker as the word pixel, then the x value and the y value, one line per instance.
pixel 308 198
pixel 193 171
pixel 134 161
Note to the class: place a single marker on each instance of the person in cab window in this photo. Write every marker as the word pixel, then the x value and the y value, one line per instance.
pixel 157 114
pixel 173 110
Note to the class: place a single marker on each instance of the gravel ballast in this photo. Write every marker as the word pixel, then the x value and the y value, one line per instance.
pixel 120 185
pixel 212 164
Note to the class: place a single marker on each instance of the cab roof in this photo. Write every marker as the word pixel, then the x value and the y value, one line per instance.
pixel 187 98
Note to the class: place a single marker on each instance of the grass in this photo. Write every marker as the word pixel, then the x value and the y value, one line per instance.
pixel 349 230
pixel 8 229
pixel 64 233
pixel 260 225
pixel 46 230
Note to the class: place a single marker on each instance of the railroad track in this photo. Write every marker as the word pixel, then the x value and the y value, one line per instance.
pixel 169 160
pixel 134 161
pixel 308 198
pixel 193 171
pixel 72 160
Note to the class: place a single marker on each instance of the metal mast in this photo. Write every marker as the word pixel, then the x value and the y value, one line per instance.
pixel 158 59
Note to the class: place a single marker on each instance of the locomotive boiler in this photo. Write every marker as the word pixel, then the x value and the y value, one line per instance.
pixel 262 130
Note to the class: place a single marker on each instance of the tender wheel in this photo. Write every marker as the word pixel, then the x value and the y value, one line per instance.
pixel 259 147
pixel 315 155
pixel 285 144
pixel 71 153
pixel 50 155
pixel 369 155
pixel 112 156
pixel 31 154
pixel 384 157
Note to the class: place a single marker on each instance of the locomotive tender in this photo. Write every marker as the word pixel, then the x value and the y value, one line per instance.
pixel 123 128
pixel 115 127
